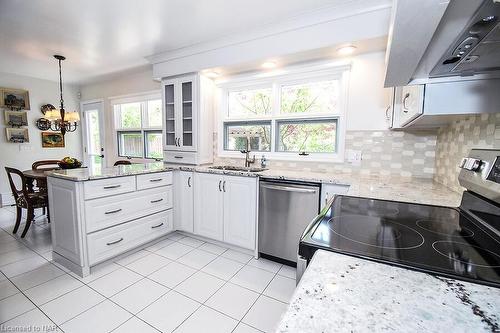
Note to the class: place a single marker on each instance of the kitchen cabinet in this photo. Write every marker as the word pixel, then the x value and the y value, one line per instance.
pixel 412 103
pixel 226 208
pixel 184 198
pixel 188 119
pixel 240 211
pixel 208 213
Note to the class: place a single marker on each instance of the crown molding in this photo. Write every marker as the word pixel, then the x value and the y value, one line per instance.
pixel 311 18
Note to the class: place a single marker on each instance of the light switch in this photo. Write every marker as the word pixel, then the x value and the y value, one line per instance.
pixel 354 156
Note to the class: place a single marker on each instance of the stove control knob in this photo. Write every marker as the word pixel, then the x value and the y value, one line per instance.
pixel 473 164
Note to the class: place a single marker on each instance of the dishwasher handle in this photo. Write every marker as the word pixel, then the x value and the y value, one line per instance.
pixel 289 188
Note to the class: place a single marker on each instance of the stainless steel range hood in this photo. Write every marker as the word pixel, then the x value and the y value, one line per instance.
pixel 477 47
pixel 449 40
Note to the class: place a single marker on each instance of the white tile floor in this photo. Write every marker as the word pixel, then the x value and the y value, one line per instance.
pixel 179 284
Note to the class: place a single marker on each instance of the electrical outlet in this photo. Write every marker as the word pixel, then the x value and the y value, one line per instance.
pixel 25 147
pixel 354 156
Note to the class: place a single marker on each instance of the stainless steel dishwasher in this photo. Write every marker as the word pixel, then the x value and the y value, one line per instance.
pixel 285 209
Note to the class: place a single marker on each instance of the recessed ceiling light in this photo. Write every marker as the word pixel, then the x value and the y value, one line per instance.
pixel 212 74
pixel 346 50
pixel 268 64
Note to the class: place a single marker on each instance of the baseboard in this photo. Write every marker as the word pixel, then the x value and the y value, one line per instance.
pixel 6 199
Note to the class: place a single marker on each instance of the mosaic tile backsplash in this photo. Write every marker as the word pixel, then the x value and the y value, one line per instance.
pixel 455 141
pixel 384 153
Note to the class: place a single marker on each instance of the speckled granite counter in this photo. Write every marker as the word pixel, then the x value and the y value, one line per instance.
pixel 339 293
pixel 415 190
pixel 83 174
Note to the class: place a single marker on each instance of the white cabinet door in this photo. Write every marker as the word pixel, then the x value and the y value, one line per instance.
pixel 188 106
pixel 185 198
pixel 412 103
pixel 240 210
pixel 208 201
pixel 170 114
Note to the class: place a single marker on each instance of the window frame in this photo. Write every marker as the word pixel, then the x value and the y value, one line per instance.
pixel 323 71
pixel 143 100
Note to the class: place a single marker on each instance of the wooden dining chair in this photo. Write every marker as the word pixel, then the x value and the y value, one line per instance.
pixel 122 162
pixel 25 199
pixel 45 165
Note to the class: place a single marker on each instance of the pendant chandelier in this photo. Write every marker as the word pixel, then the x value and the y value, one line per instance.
pixel 60 120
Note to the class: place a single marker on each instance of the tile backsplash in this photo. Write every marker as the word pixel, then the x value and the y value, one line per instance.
pixel 384 153
pixel 455 141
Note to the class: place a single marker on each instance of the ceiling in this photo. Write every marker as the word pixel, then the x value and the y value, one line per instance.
pixel 102 37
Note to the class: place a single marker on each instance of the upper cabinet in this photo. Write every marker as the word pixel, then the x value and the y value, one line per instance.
pixel 437 104
pixel 188 119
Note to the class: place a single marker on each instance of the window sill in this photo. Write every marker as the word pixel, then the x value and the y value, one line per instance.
pixel 335 158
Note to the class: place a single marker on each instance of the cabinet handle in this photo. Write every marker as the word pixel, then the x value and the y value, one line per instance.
pixel 156 180
pixel 113 211
pixel 175 142
pixel 220 181
pixel 111 186
pixel 115 242
pixel 387 115
pixel 158 200
pixel 405 108
pixel 189 181
pixel 156 226
pixel 224 186
pixel 179 157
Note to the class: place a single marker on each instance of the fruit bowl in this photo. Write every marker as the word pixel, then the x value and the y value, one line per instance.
pixel 69 163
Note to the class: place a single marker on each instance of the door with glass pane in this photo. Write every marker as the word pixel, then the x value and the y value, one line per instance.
pixel 171 124
pixel 187 116
pixel 93 134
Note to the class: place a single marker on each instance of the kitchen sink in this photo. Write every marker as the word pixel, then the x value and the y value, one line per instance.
pixel 237 168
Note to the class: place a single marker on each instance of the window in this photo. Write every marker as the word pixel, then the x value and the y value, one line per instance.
pixel 139 127
pixel 292 116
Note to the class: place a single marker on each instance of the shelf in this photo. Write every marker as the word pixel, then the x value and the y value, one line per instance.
pixel 188 118
pixel 187 102
pixel 170 119
pixel 187 132
pixel 170 132
pixel 167 103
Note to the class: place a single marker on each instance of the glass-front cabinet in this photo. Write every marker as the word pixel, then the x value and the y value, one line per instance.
pixel 180 116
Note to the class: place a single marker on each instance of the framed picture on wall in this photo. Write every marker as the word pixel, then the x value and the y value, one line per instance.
pixel 17 135
pixel 16 118
pixel 15 99
pixel 52 140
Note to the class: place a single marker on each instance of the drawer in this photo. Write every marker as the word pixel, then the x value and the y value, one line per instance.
pixel 154 180
pixel 109 186
pixel 106 212
pixel 114 241
pixel 180 157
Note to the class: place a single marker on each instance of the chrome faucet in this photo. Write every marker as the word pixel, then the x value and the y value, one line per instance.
pixel 248 161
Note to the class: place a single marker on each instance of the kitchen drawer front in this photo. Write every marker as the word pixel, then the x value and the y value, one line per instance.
pixel 154 180
pixel 106 212
pixel 109 186
pixel 111 242
pixel 180 157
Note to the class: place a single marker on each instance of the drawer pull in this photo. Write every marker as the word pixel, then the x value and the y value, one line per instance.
pixel 111 186
pixel 115 242
pixel 158 200
pixel 156 180
pixel 179 157
pixel 156 226
pixel 113 211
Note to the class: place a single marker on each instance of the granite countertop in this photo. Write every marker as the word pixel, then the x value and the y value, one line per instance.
pixel 414 190
pixel 340 293
pixel 83 174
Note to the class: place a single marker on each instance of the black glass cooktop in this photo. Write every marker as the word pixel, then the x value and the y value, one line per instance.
pixel 429 238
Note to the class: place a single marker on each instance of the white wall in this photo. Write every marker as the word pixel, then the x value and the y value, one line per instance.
pixel 125 84
pixel 21 156
pixel 368 99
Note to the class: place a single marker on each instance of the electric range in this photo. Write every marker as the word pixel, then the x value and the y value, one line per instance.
pixel 461 243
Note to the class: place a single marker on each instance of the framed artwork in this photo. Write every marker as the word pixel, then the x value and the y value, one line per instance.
pixel 52 140
pixel 16 118
pixel 15 99
pixel 17 135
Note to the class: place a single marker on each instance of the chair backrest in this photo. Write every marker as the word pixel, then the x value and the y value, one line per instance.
pixel 122 162
pixel 53 165
pixel 15 190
